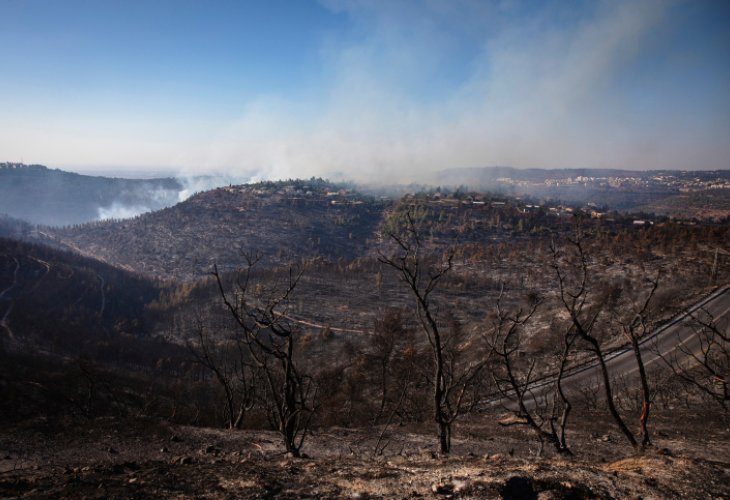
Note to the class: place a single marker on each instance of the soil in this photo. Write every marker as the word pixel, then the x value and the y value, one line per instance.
pixel 139 458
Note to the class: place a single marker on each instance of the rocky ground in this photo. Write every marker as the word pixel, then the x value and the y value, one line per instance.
pixel 133 458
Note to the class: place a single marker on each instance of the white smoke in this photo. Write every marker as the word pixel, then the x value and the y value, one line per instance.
pixel 119 211
pixel 158 198
pixel 197 184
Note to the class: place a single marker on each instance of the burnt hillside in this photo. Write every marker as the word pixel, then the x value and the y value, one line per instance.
pixel 282 221
pixel 64 303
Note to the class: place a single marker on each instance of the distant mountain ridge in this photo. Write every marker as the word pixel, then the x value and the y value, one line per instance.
pixel 39 195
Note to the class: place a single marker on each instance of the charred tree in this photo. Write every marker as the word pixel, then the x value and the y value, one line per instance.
pixel 421 273
pixel 572 272
pixel 270 339
pixel 227 361
pixel 545 412
pixel 636 329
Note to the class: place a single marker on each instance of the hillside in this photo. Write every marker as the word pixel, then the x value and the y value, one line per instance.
pixel 63 303
pixel 40 195
pixel 52 197
pixel 295 221
pixel 91 350
pixel 285 222
pixel 708 204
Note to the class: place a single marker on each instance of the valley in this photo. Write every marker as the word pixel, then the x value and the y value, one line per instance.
pixel 332 249
pixel 123 322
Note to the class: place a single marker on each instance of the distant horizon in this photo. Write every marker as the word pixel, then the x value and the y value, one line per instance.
pixel 158 172
pixel 165 172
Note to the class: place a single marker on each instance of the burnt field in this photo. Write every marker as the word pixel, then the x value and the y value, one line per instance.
pixel 119 458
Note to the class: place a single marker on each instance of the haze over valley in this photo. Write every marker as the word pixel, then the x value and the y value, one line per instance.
pixel 364 249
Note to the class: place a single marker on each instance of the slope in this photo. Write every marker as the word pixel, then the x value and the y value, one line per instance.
pixel 283 221
pixel 64 303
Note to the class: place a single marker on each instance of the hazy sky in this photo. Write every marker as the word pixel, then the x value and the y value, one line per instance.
pixel 385 90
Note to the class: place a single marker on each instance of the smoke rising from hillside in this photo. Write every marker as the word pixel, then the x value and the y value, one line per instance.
pixel 197 184
pixel 143 199
pixel 119 211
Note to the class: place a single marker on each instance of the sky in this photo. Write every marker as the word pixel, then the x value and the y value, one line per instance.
pixel 386 91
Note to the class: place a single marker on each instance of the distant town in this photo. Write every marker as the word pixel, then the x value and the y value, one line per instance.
pixel 683 182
